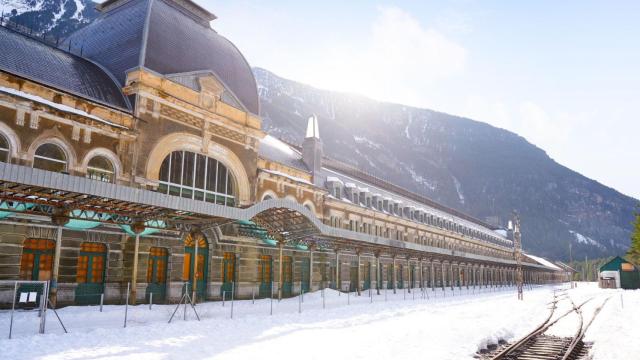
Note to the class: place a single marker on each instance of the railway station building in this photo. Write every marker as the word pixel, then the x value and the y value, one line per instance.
pixel 132 152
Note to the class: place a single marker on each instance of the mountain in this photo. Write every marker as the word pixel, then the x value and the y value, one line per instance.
pixel 464 164
pixel 56 18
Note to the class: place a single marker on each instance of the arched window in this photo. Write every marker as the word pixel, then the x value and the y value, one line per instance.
pixel 5 153
pixel 100 168
pixel 50 157
pixel 198 177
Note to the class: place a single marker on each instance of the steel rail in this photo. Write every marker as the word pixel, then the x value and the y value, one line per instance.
pixel 537 331
pixel 519 343
pixel 582 331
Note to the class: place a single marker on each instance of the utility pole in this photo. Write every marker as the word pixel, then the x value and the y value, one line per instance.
pixel 571 264
pixel 586 269
pixel 517 249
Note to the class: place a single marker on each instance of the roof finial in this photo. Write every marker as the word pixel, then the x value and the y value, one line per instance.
pixel 312 127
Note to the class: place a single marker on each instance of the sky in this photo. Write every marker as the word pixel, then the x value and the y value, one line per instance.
pixel 565 75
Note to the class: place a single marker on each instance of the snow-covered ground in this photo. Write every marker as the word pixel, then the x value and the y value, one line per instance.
pixel 451 327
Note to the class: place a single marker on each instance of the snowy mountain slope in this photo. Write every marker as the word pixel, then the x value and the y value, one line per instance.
pixel 53 17
pixel 465 164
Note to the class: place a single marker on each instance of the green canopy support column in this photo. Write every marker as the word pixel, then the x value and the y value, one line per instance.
pixel 433 275
pixel 378 273
pixel 421 274
pixel 311 248
pixel 358 251
pixel 280 268
pixel 451 280
pixel 338 286
pixel 137 227
pixel 443 276
pixel 58 218
pixel 395 275
pixel 409 275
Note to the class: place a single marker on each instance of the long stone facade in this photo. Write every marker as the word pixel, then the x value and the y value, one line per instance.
pixel 188 132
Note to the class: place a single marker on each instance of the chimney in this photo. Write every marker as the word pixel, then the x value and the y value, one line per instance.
pixel 312 147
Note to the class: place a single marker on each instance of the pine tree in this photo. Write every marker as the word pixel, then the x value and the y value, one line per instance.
pixel 633 254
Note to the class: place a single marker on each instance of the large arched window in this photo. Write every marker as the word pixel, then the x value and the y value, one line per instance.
pixel 50 157
pixel 5 153
pixel 198 177
pixel 100 168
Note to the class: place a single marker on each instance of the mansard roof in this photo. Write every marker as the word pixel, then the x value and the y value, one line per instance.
pixel 36 61
pixel 165 36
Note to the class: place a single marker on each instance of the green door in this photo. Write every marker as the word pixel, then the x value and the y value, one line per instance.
pixel 157 274
pixel 287 276
pixel 389 276
pixel 228 273
pixel 367 276
pixel 305 274
pixel 90 273
pixel 202 268
pixel 266 276
pixel 36 263
pixel 400 276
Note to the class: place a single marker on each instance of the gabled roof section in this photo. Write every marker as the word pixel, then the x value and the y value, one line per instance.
pixel 33 60
pixel 191 80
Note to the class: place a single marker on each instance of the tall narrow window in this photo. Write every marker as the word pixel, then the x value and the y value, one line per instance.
pixel 4 149
pixel 50 157
pixel 100 168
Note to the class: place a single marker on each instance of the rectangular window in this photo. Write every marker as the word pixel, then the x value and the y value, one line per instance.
pixel 176 167
pixel 222 179
pixel 212 175
pixel 189 169
pixel 201 166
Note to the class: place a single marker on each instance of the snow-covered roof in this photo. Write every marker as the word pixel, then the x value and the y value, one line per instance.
pixel 61 107
pixel 544 262
pixel 271 148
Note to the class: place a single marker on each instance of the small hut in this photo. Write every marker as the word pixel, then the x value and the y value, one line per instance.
pixel 619 273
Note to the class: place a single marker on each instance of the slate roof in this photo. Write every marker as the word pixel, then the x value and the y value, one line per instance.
pixel 167 37
pixel 31 59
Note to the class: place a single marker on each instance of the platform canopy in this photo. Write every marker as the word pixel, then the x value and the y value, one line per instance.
pixel 87 203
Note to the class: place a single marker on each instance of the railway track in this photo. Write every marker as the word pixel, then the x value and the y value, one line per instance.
pixel 537 345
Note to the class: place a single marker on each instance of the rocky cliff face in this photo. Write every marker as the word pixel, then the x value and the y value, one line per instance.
pixel 465 164
pixel 462 163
